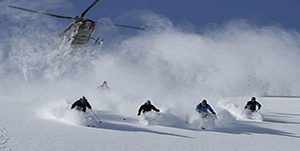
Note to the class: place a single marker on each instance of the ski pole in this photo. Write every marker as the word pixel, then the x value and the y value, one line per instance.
pixel 218 120
pixel 242 113
pixel 128 117
pixel 96 116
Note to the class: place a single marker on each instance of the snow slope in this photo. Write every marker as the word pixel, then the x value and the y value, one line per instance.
pixel 25 127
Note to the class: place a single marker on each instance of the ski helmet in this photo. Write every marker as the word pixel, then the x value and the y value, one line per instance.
pixel 204 101
pixel 148 102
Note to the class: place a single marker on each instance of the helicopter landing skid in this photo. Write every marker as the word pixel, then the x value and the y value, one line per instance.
pixel 95 48
pixel 68 48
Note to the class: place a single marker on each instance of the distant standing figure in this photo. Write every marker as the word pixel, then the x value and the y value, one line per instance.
pixel 81 104
pixel 251 105
pixel 202 108
pixel 104 85
pixel 146 107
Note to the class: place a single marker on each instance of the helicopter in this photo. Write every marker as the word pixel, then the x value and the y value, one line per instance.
pixel 81 28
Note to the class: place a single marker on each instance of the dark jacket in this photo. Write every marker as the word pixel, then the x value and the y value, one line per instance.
pixel 251 105
pixel 81 105
pixel 146 108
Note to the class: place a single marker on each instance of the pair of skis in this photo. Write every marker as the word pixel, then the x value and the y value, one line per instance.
pixel 203 128
pixel 217 120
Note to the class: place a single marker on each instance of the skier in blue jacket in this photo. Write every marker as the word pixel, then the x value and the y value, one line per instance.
pixel 202 109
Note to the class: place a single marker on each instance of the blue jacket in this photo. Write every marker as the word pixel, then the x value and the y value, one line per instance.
pixel 204 107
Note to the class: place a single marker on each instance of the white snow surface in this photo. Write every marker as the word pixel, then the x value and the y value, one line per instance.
pixel 26 125
pixel 169 64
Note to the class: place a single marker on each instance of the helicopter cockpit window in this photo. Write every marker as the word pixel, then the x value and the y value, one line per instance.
pixel 82 26
pixel 86 25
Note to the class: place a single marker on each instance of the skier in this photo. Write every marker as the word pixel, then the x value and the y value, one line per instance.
pixel 81 104
pixel 202 109
pixel 104 85
pixel 251 105
pixel 147 107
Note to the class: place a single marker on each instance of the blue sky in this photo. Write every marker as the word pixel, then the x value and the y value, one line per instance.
pixel 200 13
pixel 284 13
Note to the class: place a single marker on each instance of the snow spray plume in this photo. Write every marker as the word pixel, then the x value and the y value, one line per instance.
pixel 177 68
pixel 168 65
pixel 30 49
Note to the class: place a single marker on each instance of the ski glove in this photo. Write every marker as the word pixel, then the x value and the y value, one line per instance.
pixel 213 113
pixel 138 114
pixel 199 111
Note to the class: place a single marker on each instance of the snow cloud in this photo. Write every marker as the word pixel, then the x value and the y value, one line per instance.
pixel 170 65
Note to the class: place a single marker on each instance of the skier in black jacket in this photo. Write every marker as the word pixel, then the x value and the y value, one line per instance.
pixel 251 105
pixel 81 104
pixel 147 107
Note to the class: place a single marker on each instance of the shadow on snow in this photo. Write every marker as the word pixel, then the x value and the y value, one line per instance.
pixel 249 128
pixel 109 119
pixel 117 122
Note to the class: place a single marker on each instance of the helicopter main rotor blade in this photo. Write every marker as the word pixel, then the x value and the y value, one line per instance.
pixel 63 32
pixel 92 5
pixel 29 10
pixel 121 26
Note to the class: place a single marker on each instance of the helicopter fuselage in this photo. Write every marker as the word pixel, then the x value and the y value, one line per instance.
pixel 81 31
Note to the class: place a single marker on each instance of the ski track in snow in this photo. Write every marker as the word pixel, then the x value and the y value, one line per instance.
pixel 277 125
pixel 231 120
